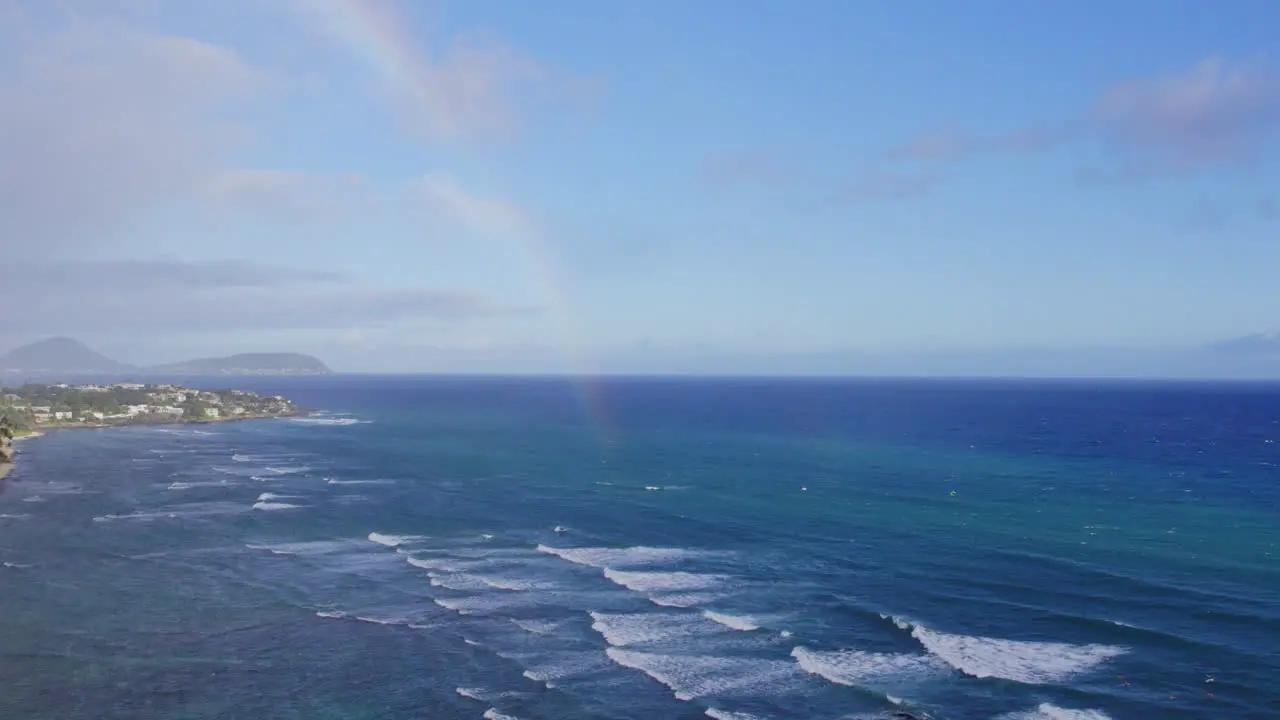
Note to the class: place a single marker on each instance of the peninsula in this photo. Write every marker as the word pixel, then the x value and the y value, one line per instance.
pixel 33 409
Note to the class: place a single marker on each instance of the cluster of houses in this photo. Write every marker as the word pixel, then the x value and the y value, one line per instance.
pixel 164 401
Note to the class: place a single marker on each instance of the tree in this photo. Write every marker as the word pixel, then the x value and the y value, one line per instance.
pixel 6 428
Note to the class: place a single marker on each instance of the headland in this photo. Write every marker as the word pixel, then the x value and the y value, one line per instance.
pixel 32 410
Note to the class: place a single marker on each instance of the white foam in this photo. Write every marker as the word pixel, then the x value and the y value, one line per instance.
pixel 1034 663
pixel 14 516
pixel 693 676
pixel 450 565
pixel 622 557
pixel 539 627
pixel 241 458
pixel 643 582
pixel 313 547
pixel 331 614
pixel 272 506
pixel 483 604
pixel 288 469
pixel 267 496
pixel 472 693
pixel 685 600
pixel 16 566
pixel 339 421
pixel 550 669
pixel 514 584
pixel 1045 711
pixel 900 623
pixel 335 481
pixel 492 714
pixel 726 715
pixel 33 499
pixel 737 622
pixel 456 581
pixel 186 486
pixel 621 630
pixel 855 668
pixel 393 540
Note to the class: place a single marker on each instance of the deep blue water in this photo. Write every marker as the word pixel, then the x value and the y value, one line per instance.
pixel 731 548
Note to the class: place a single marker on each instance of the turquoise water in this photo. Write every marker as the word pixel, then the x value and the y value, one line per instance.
pixel 732 549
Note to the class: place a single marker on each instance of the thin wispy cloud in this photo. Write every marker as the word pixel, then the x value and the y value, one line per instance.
pixel 887 186
pixel 1217 113
pixel 1213 115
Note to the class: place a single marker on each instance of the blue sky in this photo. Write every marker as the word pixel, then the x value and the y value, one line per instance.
pixel 660 186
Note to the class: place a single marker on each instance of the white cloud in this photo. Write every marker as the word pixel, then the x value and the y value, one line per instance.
pixel 470 87
pixel 102 124
pixel 445 196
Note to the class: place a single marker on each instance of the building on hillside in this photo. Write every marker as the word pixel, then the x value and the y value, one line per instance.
pixel 212 412
pixel 62 415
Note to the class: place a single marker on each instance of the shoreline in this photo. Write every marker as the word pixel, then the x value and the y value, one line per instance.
pixel 6 467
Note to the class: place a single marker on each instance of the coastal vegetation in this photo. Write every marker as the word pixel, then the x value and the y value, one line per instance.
pixel 33 407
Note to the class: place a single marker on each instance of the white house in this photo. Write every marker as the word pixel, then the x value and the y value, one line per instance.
pixel 62 416
pixel 212 412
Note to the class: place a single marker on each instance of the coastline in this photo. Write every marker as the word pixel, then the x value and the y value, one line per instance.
pixel 6 466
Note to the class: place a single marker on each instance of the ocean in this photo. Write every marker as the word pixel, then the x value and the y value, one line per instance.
pixel 656 548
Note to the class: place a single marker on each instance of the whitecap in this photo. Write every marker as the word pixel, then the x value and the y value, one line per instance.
pixel 556 667
pixel 693 676
pixel 515 584
pixel 16 566
pixel 638 556
pixel 621 630
pixel 493 714
pixel 331 614
pixel 1045 711
pixel 456 581
pixel 271 506
pixel 338 421
pixel 268 496
pixel 392 540
pixel 313 547
pixel 539 627
pixel 726 715
pixel 483 604
pixel 639 581
pixel 288 469
pixel 737 622
pixel 685 600
pixel 855 668
pixel 335 481
pixel 1033 663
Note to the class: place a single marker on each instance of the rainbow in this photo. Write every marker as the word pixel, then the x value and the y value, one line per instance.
pixel 373 31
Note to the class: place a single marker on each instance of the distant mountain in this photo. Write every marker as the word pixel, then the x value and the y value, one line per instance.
pixel 64 356
pixel 247 364
pixel 1260 345
pixel 60 355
